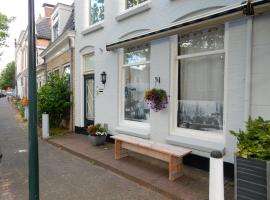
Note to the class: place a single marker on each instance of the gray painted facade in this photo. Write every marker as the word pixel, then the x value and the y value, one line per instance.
pixel 240 100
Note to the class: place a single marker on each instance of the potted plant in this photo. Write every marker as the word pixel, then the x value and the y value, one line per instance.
pixel 24 103
pixel 252 161
pixel 156 99
pixel 97 134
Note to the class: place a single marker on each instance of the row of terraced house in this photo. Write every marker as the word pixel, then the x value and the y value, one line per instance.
pixel 211 57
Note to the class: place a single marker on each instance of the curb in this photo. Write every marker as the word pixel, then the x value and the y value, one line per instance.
pixel 117 171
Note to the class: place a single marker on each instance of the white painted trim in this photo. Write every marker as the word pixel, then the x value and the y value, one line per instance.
pixel 206 53
pixel 141 126
pixel 174 130
pixel 142 7
pixel 93 28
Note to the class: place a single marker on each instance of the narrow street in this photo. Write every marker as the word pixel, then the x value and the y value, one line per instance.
pixel 62 175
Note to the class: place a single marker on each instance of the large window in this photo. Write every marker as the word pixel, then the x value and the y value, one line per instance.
pixel 136 71
pixel 96 11
pixel 131 3
pixel 201 80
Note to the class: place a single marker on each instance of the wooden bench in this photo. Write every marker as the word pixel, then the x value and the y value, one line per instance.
pixel 168 153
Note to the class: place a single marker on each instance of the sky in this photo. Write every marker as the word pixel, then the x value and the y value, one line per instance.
pixel 19 10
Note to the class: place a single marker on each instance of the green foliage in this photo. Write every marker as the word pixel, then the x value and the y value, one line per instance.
pixel 255 141
pixel 4 27
pixel 7 77
pixel 97 130
pixel 19 106
pixel 54 99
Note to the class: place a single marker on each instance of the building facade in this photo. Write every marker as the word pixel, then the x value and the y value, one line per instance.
pixel 209 56
pixel 43 37
pixel 59 55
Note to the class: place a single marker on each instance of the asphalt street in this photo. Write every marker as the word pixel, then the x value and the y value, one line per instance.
pixel 63 176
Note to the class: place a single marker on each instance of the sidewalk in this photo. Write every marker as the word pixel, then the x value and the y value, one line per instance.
pixel 145 171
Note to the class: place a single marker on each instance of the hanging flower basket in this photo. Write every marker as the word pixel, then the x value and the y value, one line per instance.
pixel 156 99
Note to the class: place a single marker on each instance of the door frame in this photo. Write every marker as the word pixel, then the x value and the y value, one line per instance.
pixel 86 77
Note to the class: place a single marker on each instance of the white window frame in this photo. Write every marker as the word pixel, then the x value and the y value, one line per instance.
pixel 91 71
pixel 65 66
pixel 90 24
pixel 122 121
pixel 197 134
pixel 126 4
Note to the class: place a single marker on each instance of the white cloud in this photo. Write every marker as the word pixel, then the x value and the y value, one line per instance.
pixel 19 9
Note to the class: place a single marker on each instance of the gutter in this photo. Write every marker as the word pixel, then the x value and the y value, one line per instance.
pixel 212 18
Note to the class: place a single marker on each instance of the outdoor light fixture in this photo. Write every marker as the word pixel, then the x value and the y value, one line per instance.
pixel 103 76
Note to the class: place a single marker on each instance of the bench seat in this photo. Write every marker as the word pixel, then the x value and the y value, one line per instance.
pixel 165 152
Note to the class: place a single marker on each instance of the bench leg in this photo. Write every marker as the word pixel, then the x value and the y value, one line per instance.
pixel 119 152
pixel 175 168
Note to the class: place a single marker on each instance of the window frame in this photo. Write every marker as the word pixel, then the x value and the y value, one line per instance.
pixel 122 66
pixel 134 6
pixel 218 137
pixel 92 54
pixel 90 21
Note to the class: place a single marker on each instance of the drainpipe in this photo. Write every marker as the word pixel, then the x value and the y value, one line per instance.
pixel 70 42
pixel 249 42
pixel 46 69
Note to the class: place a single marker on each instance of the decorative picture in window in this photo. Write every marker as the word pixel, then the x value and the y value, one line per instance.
pixel 96 11
pixel 201 80
pixel 137 81
pixel 131 3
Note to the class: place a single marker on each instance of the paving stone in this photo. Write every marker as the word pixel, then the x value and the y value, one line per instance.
pixel 63 176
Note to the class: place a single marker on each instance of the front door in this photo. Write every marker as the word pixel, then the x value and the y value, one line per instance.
pixel 89 100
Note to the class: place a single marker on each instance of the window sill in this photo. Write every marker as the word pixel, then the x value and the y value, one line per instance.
pixel 134 11
pixel 202 145
pixel 93 28
pixel 141 132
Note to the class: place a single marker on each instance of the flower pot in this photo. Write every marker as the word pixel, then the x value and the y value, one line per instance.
pixel 97 140
pixel 252 179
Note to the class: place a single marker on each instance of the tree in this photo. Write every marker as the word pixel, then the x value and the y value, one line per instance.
pixel 4 27
pixel 7 77
pixel 54 99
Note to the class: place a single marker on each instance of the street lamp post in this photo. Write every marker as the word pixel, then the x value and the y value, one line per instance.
pixel 32 121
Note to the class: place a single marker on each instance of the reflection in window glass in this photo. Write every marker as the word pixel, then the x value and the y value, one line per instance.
pixel 201 41
pixel 201 83
pixel 96 11
pixel 137 81
pixel 131 3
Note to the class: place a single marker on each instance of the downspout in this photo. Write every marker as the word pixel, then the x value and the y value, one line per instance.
pixel 46 69
pixel 249 42
pixel 70 42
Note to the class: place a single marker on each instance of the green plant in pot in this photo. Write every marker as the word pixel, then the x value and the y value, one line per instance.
pixel 252 161
pixel 97 134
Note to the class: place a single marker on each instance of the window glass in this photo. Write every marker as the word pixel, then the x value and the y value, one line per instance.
pixel 201 41
pixel 137 54
pixel 137 81
pixel 201 90
pixel 88 62
pixel 96 11
pixel 131 3
pixel 56 72
pixel 66 70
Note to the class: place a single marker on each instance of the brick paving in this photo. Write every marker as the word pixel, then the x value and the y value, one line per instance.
pixel 143 170
pixel 63 176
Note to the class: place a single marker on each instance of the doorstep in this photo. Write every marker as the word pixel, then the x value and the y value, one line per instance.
pixel 145 171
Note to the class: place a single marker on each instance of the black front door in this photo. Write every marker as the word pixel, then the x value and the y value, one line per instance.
pixel 89 100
